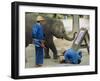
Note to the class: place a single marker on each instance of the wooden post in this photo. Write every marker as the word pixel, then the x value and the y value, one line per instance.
pixel 75 23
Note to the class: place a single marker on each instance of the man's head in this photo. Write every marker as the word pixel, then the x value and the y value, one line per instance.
pixel 41 20
pixel 63 50
pixel 61 55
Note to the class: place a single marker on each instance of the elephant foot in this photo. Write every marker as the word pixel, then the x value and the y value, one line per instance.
pixel 47 57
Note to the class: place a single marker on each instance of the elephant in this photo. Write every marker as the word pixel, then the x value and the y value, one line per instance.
pixel 53 27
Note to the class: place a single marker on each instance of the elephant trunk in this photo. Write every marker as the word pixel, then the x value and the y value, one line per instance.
pixel 70 38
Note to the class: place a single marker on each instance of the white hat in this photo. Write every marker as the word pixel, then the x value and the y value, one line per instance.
pixel 40 18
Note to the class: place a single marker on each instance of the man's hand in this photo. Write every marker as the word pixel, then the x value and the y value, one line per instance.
pixel 42 45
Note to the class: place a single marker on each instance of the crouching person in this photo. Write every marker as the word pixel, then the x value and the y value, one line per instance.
pixel 71 56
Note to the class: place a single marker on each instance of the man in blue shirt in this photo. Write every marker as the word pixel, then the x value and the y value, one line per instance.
pixel 38 39
pixel 71 56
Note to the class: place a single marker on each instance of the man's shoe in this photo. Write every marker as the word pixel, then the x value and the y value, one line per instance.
pixel 38 65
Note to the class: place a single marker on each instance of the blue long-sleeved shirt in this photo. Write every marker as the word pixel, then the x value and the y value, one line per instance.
pixel 37 34
pixel 72 56
pixel 37 31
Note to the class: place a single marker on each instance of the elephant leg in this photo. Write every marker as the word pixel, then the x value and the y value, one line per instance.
pixel 46 53
pixel 54 50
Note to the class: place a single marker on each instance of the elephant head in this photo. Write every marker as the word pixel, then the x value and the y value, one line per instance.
pixel 58 30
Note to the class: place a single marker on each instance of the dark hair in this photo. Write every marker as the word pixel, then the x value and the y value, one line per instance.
pixel 63 61
pixel 38 21
pixel 64 52
pixel 79 61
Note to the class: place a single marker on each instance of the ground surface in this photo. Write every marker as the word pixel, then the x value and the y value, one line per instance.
pixel 30 55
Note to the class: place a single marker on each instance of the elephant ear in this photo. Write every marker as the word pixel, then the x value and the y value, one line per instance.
pixel 48 25
pixel 58 28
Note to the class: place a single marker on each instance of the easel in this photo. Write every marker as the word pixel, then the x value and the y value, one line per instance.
pixel 82 36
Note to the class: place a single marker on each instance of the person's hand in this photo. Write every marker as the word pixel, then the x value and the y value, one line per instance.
pixel 42 45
